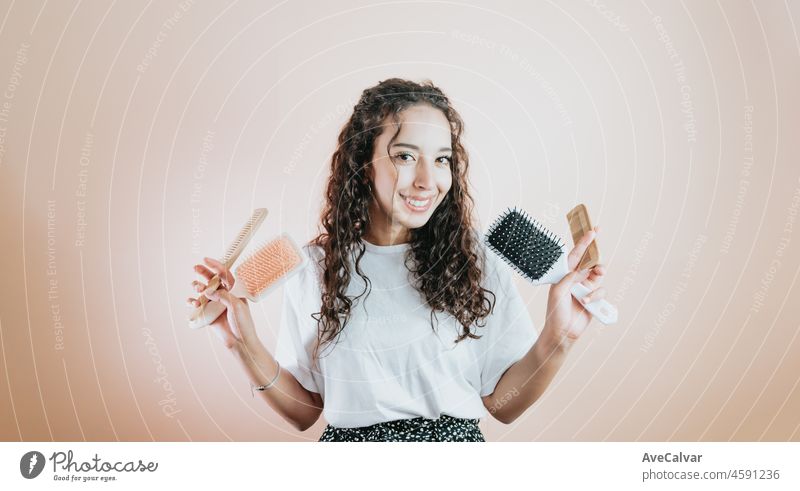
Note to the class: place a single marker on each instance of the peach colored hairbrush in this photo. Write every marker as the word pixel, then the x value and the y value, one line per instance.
pixel 259 274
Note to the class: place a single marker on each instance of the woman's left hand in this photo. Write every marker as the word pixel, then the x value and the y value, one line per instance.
pixel 566 317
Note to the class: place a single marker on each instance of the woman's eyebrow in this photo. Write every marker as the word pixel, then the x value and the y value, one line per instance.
pixel 414 147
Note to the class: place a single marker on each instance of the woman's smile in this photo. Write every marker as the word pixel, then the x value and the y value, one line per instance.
pixel 418 204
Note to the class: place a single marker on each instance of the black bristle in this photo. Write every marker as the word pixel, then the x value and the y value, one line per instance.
pixel 524 244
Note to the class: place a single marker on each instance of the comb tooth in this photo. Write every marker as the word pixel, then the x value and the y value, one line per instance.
pixel 258 215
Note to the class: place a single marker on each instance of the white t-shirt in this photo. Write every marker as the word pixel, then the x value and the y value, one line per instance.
pixel 388 362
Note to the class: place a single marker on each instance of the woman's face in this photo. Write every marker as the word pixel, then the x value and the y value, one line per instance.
pixel 414 176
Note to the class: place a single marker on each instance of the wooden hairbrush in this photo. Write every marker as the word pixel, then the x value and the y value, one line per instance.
pixel 266 268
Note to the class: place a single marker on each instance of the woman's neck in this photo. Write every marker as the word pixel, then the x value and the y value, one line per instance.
pixel 384 236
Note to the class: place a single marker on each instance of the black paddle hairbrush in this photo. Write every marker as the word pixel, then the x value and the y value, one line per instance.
pixel 524 244
pixel 533 251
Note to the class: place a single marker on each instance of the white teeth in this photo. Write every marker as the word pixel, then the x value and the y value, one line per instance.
pixel 418 204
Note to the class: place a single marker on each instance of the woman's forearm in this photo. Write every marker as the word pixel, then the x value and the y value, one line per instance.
pixel 526 380
pixel 293 402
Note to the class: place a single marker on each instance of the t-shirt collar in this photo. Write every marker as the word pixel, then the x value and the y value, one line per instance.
pixel 390 249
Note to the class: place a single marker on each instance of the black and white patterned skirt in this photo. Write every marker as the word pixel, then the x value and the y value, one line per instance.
pixel 444 429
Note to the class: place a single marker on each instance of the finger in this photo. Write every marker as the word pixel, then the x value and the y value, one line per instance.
pixel 599 270
pixel 595 277
pixel 220 295
pixel 192 302
pixel 199 287
pixel 577 252
pixel 565 285
pixel 220 269
pixel 594 295
pixel 204 271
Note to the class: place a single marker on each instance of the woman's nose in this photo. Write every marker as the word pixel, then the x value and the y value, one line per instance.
pixel 424 177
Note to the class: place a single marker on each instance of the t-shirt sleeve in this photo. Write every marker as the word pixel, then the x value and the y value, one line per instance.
pixel 298 330
pixel 509 332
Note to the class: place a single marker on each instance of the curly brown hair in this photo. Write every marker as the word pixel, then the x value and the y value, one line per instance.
pixel 444 254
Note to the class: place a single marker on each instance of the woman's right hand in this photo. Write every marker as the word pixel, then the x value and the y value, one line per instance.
pixel 235 325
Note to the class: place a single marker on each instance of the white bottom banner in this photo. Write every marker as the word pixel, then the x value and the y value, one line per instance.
pixel 640 465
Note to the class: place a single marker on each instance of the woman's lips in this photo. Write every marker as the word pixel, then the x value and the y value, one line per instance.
pixel 418 205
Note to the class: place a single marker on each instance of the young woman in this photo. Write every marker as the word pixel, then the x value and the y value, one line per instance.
pixel 403 327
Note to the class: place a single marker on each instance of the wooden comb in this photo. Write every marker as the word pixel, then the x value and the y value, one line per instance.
pixel 580 225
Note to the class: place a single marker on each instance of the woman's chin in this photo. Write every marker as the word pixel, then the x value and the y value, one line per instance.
pixel 413 219
pixel 416 220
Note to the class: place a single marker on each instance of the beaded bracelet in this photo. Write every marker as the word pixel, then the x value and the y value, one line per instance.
pixel 265 387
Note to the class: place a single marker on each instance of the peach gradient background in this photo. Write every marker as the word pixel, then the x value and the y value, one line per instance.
pixel 137 138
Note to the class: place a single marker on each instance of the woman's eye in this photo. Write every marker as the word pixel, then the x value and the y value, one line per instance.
pixel 407 157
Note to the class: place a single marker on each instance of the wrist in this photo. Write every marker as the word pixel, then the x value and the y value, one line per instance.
pixel 552 341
